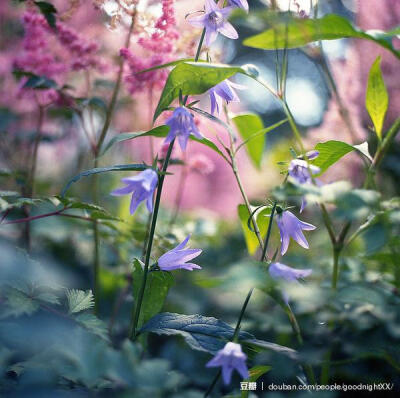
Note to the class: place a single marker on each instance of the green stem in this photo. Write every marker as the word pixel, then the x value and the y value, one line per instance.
pixel 138 304
pixel 264 252
pixel 117 86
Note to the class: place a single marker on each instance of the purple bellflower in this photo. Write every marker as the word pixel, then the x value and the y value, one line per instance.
pixel 141 187
pixel 177 258
pixel 291 227
pixel 214 21
pixel 280 271
pixel 181 125
pixel 301 172
pixel 229 358
pixel 223 91
pixel 239 4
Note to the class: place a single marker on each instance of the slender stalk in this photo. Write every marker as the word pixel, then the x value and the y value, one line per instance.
pixel 246 201
pixel 264 252
pixel 138 304
pixel 117 86
pixel 30 183
pixel 96 152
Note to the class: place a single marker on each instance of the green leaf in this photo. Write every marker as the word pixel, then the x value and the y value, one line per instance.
pixel 206 333
pixel 331 151
pixel 97 170
pixel 93 325
pixel 40 83
pixel 262 222
pixel 160 131
pixel 162 66
pixel 200 332
pixel 255 373
pixel 377 98
pixel 79 300
pixel 48 11
pixel 191 79
pixel 157 287
pixel 298 32
pixel 248 125
pixel 17 303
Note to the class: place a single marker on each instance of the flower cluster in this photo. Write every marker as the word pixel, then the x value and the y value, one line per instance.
pixel 161 44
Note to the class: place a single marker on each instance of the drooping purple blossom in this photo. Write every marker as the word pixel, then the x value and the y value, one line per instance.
pixel 177 258
pixel 229 358
pixel 279 271
pixel 301 171
pixel 289 274
pixel 291 227
pixel 214 21
pixel 223 91
pixel 181 125
pixel 239 4
pixel 141 187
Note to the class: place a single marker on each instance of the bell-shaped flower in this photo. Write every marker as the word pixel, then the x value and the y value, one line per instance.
pixel 239 4
pixel 181 125
pixel 223 91
pixel 141 187
pixel 291 227
pixel 231 357
pixel 301 172
pixel 214 21
pixel 283 272
pixel 178 258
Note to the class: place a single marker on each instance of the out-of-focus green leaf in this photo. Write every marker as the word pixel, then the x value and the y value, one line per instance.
pixel 93 325
pixel 262 222
pixel 357 204
pixel 157 287
pixel 78 300
pixel 249 125
pixel 193 78
pixel 17 302
pixel 377 98
pixel 48 11
pixel 298 32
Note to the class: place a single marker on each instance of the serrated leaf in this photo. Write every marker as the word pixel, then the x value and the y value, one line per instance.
pixel 250 236
pixel 298 32
pixel 79 300
pixel 93 325
pixel 377 98
pixel 191 79
pixel 249 125
pixel 18 303
pixel 98 170
pixel 157 287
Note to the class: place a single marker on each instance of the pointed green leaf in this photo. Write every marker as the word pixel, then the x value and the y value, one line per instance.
pixel 97 170
pixel 255 373
pixel 331 151
pixel 157 287
pixel 377 98
pixel 262 222
pixel 191 79
pixel 298 32
pixel 249 125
